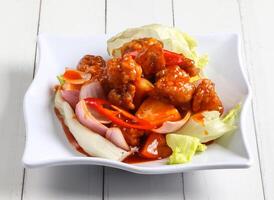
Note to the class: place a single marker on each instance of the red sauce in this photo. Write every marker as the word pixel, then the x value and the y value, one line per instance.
pixel 209 142
pixel 199 117
pixel 69 135
pixel 135 158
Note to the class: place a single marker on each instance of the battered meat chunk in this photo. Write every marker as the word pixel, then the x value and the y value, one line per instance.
pixel 206 98
pixel 139 44
pixel 151 57
pixel 191 70
pixel 149 54
pixel 93 65
pixel 152 60
pixel 120 76
pixel 132 136
pixel 172 85
pixel 123 97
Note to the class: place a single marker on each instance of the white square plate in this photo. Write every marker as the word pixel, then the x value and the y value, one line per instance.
pixel 46 144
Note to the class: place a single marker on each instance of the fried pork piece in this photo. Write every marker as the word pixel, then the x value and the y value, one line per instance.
pixel 152 60
pixel 93 65
pixel 132 136
pixel 206 98
pixel 192 70
pixel 172 85
pixel 139 44
pixel 120 76
pixel 149 55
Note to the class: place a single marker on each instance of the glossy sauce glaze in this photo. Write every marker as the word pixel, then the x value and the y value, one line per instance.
pixel 136 158
pixel 69 135
pixel 131 159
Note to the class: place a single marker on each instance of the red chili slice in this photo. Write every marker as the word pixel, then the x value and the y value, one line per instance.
pixel 118 115
pixel 177 59
pixel 171 58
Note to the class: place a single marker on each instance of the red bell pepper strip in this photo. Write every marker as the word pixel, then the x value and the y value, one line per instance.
pixel 171 58
pixel 177 59
pixel 118 115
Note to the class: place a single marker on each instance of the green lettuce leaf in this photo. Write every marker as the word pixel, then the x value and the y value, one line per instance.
pixel 61 80
pixel 232 115
pixel 183 148
pixel 200 61
pixel 172 38
pixel 210 125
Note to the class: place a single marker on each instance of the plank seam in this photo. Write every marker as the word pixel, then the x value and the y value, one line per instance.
pixel 37 32
pixel 172 8
pixel 33 74
pixel 258 149
pixel 105 16
pixel 23 183
pixel 249 76
pixel 103 184
pixel 103 173
pixel 183 184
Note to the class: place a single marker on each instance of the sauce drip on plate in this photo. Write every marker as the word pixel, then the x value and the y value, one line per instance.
pixel 69 135
pixel 135 158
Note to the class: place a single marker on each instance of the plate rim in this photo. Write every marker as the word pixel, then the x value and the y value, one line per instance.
pixel 165 169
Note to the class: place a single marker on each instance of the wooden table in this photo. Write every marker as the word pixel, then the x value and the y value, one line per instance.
pixel 21 22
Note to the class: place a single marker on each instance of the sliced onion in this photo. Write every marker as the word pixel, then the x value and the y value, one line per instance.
pixel 116 136
pixel 94 89
pixel 169 127
pixel 91 142
pixel 70 96
pixel 87 119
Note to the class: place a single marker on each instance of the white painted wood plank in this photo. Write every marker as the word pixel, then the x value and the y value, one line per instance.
pixel 75 182
pixel 122 14
pixel 119 184
pixel 257 17
pixel 70 182
pixel 73 17
pixel 18 21
pixel 205 17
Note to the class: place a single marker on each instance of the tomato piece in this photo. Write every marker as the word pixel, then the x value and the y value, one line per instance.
pixel 155 147
pixel 118 115
pixel 72 74
pixel 157 112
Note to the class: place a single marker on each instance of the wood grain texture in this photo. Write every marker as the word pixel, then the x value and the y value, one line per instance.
pixel 257 20
pixel 119 184
pixel 218 16
pixel 17 39
pixel 75 182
